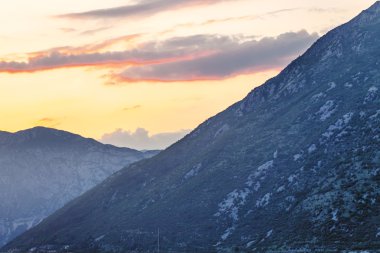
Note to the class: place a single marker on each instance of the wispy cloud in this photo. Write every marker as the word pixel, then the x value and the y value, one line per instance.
pixel 95 31
pixel 86 49
pixel 68 30
pixel 48 122
pixel 247 18
pixel 208 22
pixel 57 60
pixel 141 139
pixel 132 108
pixel 323 10
pixel 140 9
pixel 171 50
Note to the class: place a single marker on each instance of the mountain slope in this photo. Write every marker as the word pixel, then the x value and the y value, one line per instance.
pixel 295 165
pixel 41 169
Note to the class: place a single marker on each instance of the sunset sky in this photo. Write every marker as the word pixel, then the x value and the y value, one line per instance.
pixel 143 73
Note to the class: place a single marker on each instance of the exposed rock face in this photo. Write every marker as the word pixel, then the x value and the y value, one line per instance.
pixel 295 165
pixel 42 169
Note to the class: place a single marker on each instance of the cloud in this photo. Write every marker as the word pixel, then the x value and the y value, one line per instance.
pixel 95 31
pixel 140 9
pixel 287 11
pixel 192 25
pixel 198 57
pixel 232 58
pixel 48 122
pixel 131 108
pixel 86 49
pixel 141 139
pixel 321 10
pixel 68 30
pixel 148 53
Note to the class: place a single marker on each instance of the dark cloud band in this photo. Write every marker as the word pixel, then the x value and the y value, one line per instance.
pixel 179 59
pixel 231 59
pixel 142 8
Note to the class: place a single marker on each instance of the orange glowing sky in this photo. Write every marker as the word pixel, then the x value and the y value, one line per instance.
pixel 103 69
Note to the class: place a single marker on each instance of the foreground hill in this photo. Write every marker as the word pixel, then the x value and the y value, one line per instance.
pixel 295 165
pixel 41 169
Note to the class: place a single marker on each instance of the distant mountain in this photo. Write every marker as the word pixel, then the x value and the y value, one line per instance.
pixel 41 169
pixel 294 167
pixel 4 135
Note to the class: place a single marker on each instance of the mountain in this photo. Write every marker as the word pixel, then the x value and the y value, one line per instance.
pixel 41 169
pixel 294 167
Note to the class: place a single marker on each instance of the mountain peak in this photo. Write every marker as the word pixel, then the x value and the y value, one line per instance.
pixel 374 9
pixel 40 129
pixel 45 134
pixel 356 39
pixel 375 6
pixel 369 16
pixel 43 168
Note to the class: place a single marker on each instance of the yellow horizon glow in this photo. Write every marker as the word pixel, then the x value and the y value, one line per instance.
pixel 163 107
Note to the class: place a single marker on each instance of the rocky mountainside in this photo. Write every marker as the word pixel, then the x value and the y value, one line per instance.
pixel 294 167
pixel 41 169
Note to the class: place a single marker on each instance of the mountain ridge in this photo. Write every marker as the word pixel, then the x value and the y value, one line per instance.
pixel 43 168
pixel 40 132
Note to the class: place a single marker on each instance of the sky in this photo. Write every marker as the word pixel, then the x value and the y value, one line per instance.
pixel 144 73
